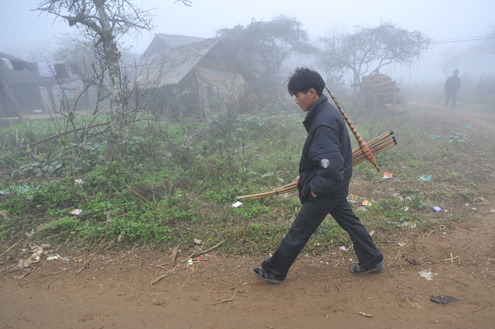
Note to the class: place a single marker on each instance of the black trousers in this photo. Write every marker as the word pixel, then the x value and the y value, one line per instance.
pixel 447 99
pixel 311 215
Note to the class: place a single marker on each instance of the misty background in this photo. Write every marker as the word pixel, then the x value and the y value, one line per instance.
pixel 459 30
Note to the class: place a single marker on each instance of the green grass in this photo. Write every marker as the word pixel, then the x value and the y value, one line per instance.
pixel 176 182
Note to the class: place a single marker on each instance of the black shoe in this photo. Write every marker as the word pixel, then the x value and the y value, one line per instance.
pixel 268 277
pixel 356 269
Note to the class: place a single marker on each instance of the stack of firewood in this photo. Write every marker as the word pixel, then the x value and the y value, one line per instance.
pixel 379 91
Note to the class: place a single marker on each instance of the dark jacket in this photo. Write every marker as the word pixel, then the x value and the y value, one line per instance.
pixel 452 85
pixel 325 167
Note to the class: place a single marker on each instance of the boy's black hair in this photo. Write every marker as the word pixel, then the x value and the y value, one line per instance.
pixel 303 80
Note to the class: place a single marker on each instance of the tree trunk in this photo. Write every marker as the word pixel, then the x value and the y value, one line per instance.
pixel 117 109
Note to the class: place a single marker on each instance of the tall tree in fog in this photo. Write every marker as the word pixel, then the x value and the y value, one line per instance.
pixel 367 50
pixel 262 47
pixel 104 22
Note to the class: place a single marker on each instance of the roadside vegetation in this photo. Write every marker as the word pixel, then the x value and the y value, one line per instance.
pixel 175 183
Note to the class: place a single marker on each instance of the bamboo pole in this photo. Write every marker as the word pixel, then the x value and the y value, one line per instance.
pixel 374 141
pixel 362 143
pixel 374 148
pixel 377 145
pixel 380 148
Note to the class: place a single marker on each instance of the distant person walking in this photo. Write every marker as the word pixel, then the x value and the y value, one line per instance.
pixel 452 86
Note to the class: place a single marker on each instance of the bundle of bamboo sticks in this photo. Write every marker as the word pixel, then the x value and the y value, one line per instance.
pixel 376 145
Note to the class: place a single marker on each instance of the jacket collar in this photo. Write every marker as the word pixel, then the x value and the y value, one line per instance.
pixel 313 111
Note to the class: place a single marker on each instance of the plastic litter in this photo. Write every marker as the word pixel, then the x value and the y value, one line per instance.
pixel 437 209
pixel 388 175
pixel 424 178
pixel 17 189
pixel 428 275
pixel 237 204
pixel 435 137
pixel 466 127
pixel 76 212
pixel 443 299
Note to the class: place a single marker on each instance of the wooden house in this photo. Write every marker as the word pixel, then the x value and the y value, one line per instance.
pixel 29 88
pixel 194 78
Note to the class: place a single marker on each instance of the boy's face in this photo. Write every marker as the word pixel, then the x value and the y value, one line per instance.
pixel 305 100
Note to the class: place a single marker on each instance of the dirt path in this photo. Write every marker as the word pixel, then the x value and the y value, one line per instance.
pixel 115 291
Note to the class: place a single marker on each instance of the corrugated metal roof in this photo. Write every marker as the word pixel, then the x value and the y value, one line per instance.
pixel 172 65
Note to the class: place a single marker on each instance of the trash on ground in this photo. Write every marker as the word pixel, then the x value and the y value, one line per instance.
pixel 466 127
pixel 435 137
pixel 366 203
pixel 424 178
pixel 437 209
pixel 198 241
pixel 428 275
pixel 78 181
pixel 411 261
pixel 343 248
pixel 237 204
pixel 76 212
pixel 388 175
pixel 17 189
pixel 481 199
pixel 35 257
pixel 443 299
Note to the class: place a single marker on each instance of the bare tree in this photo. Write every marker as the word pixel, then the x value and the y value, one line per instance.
pixel 367 50
pixel 262 47
pixel 104 22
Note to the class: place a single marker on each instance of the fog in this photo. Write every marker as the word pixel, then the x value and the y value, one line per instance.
pixel 453 26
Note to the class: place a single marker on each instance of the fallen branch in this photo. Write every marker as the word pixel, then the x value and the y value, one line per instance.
pixel 225 300
pixel 199 252
pixel 163 276
pixel 173 259
pixel 65 133
pixel 15 244
pixel 84 265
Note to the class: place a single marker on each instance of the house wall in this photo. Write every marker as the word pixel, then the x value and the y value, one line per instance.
pixel 25 88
